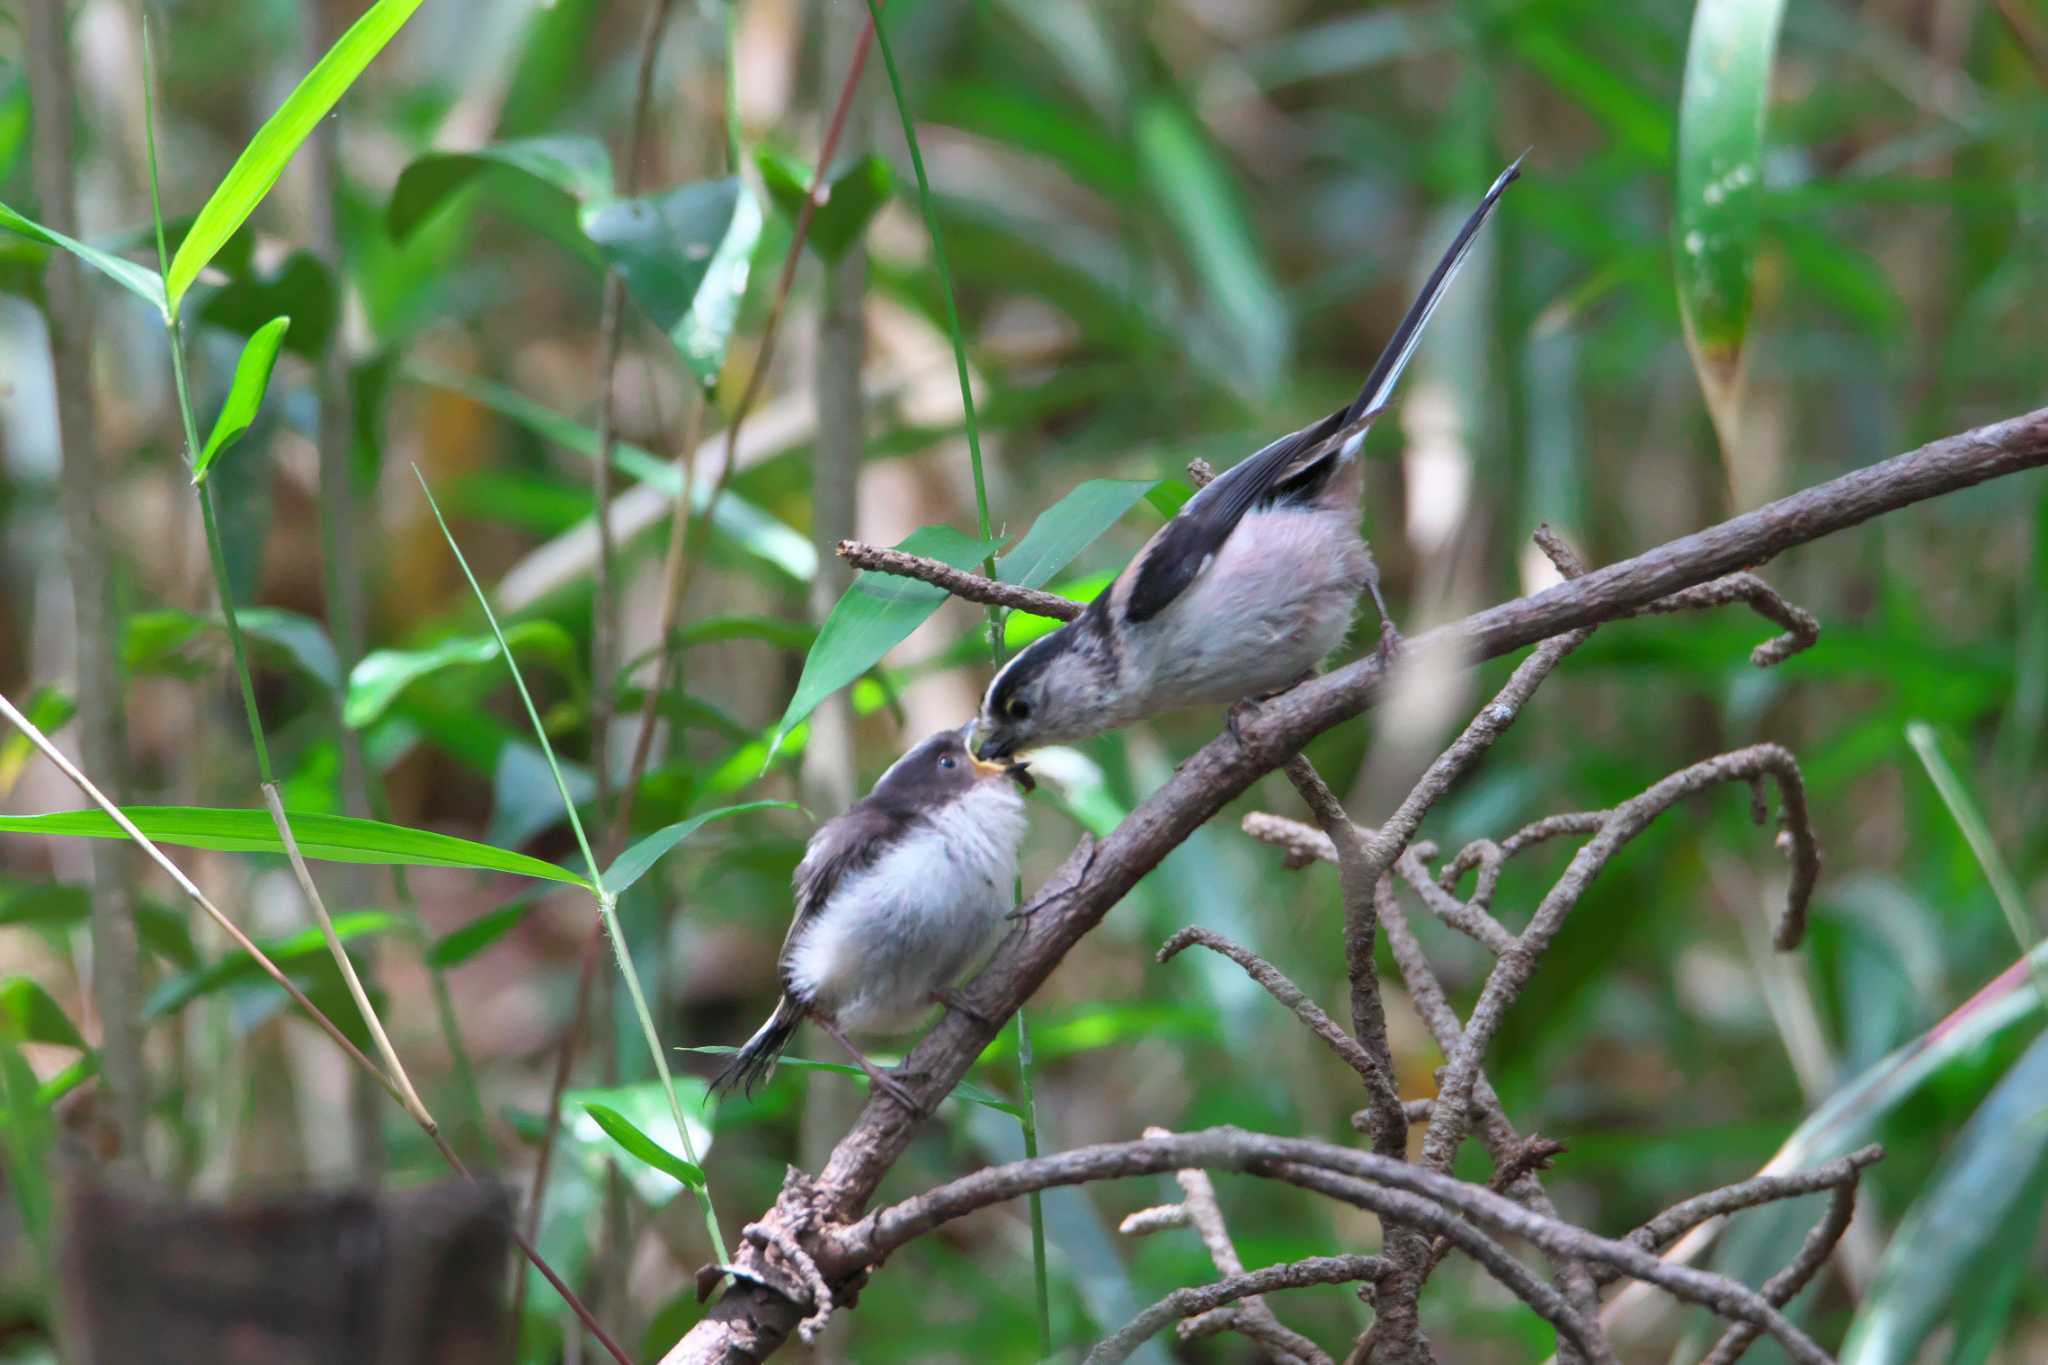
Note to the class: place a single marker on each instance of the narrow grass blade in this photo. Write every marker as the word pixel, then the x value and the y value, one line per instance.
pixel 636 861
pixel 138 280
pixel 329 838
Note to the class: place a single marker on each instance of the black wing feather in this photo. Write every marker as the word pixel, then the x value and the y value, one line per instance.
pixel 1299 463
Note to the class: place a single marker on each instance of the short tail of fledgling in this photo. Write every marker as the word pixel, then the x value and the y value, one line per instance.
pixel 756 1058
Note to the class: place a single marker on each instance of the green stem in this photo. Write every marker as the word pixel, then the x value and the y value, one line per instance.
pixel 220 573
pixel 732 87
pixel 606 908
pixel 1026 1082
pixel 1029 1120
pixel 931 224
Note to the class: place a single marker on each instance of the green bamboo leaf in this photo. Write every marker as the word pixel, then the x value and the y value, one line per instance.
pixel 1720 188
pixel 26 1134
pixel 684 255
pixel 156 641
pixel 851 200
pixel 1068 527
pixel 739 521
pixel 50 710
pixel 644 1107
pixel 29 1015
pixel 382 675
pixel 1199 199
pixel 873 616
pixel 575 170
pixel 328 838
pixel 245 395
pixel 305 951
pixel 460 945
pixel 136 279
pixel 634 863
pixel 267 154
pixel 643 1148
pixel 1971 1228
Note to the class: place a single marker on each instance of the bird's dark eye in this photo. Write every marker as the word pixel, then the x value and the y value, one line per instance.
pixel 1019 709
pixel 948 763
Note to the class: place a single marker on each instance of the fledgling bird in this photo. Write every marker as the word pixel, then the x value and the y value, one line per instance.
pixel 895 900
pixel 1242 594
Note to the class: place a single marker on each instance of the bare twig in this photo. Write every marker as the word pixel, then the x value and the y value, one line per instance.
pixel 1512 972
pixel 1801 630
pixel 1681 1218
pixel 1780 1288
pixel 1430 1199
pixel 752 1322
pixel 394 1069
pixel 1199 1299
pixel 1286 992
pixel 969 587
pixel 102 742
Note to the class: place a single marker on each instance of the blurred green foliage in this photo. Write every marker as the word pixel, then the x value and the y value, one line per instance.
pixel 1175 229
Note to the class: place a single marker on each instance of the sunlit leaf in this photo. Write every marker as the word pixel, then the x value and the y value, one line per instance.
pixel 643 1148
pixel 684 255
pixel 577 170
pixel 873 616
pixel 1720 188
pixel 264 159
pixel 329 838
pixel 853 196
pixel 137 279
pixel 1068 527
pixel 736 519
pixel 647 1110
pixel 245 395
pixel 381 675
pixel 634 863
pixel 29 1015
pixel 1974 1222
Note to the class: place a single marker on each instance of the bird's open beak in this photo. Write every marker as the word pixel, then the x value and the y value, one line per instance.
pixel 1020 773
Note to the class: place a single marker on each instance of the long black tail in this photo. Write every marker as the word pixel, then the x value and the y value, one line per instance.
pixel 1379 385
pixel 756 1058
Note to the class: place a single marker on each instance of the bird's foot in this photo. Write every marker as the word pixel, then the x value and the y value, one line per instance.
pixel 880 1079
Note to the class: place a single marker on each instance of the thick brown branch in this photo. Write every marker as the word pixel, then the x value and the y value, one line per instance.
pixel 1098 875
pixel 970 587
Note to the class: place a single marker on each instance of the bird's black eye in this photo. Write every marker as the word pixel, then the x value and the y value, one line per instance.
pixel 1019 709
pixel 948 763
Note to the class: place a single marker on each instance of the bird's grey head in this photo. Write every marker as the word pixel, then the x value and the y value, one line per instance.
pixel 943 770
pixel 1058 688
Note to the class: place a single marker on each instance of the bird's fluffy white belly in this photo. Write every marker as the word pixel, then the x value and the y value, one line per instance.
pixel 1279 597
pixel 916 919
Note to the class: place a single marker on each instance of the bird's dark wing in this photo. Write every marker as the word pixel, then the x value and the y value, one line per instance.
pixel 1176 556
pixel 843 845
pixel 1299 464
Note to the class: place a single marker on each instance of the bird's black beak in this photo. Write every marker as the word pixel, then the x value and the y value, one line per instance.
pixel 999 745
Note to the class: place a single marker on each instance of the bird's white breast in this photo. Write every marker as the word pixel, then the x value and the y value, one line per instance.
pixel 918 917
